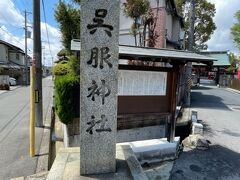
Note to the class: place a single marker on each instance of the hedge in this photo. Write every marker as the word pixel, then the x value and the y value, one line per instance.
pixel 67 97
pixel 61 69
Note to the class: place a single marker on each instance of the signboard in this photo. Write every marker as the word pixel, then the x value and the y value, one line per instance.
pixel 142 83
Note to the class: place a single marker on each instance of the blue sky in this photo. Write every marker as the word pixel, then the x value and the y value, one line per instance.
pixel 22 5
pixel 12 21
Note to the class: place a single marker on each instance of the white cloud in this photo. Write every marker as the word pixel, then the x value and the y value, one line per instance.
pixel 224 19
pixel 54 40
pixel 10 15
pixel 5 35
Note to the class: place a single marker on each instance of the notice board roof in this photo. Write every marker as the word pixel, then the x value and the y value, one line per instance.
pixel 155 54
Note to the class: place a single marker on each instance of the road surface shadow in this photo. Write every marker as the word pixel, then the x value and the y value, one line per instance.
pixel 217 162
pixel 200 100
pixel 200 88
pixel 230 133
pixel 43 154
pixel 206 128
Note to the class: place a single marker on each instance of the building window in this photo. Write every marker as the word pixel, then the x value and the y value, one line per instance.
pixel 17 56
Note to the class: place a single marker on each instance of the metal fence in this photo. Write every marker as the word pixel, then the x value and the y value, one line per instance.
pixel 234 84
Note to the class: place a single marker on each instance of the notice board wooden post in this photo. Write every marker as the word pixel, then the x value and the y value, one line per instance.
pixel 173 95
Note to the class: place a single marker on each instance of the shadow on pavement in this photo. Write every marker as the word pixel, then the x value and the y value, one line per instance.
pixel 217 162
pixel 207 128
pixel 230 133
pixel 200 100
pixel 201 88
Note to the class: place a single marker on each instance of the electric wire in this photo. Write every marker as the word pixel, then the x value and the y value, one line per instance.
pixel 13 37
pixel 45 19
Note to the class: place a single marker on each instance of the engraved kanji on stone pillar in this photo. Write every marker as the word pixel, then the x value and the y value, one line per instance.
pixel 98 85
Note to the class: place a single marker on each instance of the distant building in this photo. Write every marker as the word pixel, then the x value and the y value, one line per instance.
pixel 217 69
pixel 12 61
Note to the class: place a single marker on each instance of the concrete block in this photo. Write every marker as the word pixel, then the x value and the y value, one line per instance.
pixel 138 134
pixel 126 153
pixel 194 116
pixel 18 178
pixel 154 150
pixel 136 168
pixel 58 167
pixel 38 176
pixel 197 128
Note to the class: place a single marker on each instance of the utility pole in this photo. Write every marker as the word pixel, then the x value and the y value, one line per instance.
pixel 26 47
pixel 190 48
pixel 37 59
pixel 32 112
pixel 192 22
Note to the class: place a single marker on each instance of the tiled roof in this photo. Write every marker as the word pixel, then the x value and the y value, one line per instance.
pixel 222 57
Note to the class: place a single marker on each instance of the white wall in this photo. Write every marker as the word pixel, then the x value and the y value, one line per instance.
pixel 125 38
pixel 12 57
pixel 176 29
pixel 169 26
pixel 3 53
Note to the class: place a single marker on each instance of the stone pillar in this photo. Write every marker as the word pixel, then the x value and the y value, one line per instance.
pixel 98 85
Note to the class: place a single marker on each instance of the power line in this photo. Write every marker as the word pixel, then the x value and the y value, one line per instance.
pixel 13 37
pixel 18 4
pixel 44 13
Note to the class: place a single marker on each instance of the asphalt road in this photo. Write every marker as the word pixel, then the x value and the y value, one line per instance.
pixel 14 131
pixel 219 111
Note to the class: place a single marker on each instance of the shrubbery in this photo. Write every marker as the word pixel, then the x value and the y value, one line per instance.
pixel 61 69
pixel 67 89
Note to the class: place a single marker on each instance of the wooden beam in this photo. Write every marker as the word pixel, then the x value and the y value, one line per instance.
pixel 172 125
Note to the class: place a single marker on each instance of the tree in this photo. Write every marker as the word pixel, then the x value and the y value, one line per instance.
pixel 135 9
pixel 68 17
pixel 234 62
pixel 204 25
pixel 235 30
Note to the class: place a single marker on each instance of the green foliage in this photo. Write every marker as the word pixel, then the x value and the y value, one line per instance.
pixel 180 4
pixel 135 9
pixel 67 73
pixel 61 69
pixel 235 30
pixel 67 77
pixel 63 53
pixel 74 64
pixel 67 97
pixel 234 62
pixel 77 1
pixel 72 67
pixel 204 25
pixel 68 18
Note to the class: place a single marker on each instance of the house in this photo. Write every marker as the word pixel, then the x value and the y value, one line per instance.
pixel 214 74
pixel 168 31
pixel 12 61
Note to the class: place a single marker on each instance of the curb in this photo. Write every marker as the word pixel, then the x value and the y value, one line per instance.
pixel 232 90
pixel 44 151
